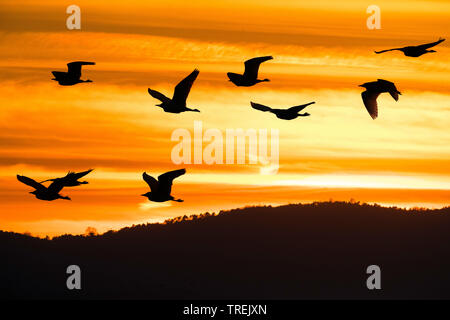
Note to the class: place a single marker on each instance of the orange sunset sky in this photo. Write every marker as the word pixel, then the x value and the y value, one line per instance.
pixel 322 51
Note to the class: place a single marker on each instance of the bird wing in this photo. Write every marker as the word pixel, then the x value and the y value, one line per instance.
pixel 57 185
pixel 390 87
pixel 32 183
pixel 158 95
pixel 76 176
pixel 385 82
pixel 370 101
pixel 252 66
pixel 261 107
pixel 429 45
pixel 377 52
pixel 183 88
pixel 59 74
pixel 152 182
pixel 300 108
pixel 74 68
pixel 166 179
pixel 394 93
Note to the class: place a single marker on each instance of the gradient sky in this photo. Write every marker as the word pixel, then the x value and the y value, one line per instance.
pixel 322 51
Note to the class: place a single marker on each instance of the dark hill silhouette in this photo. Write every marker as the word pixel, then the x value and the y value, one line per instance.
pixel 318 250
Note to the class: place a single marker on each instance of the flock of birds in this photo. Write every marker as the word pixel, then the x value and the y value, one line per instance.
pixel 161 188
pixel 52 191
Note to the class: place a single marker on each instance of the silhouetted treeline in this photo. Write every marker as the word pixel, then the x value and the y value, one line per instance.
pixel 318 250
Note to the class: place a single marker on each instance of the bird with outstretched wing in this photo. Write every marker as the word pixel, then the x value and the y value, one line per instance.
pixel 183 88
pixel 252 66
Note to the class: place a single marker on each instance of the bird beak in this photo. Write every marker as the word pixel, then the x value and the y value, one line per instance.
pixel 143 195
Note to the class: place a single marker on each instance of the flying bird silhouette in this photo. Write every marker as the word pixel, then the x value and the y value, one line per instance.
pixel 71 179
pixel 415 51
pixel 161 188
pixel 73 75
pixel 285 114
pixel 373 90
pixel 249 78
pixel 42 192
pixel 178 102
